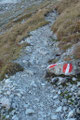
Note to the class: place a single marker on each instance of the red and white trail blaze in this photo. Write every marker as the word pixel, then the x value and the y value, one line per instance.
pixel 67 68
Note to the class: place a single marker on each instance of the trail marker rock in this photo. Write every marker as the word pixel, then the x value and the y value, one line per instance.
pixel 64 68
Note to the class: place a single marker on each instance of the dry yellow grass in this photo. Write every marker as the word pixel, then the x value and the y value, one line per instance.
pixel 67 25
pixel 64 4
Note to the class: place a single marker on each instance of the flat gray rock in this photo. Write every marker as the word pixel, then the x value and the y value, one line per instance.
pixel 29 111
pixel 54 117
pixel 5 102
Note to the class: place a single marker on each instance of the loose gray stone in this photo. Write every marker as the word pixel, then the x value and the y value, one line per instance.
pixel 24 61
pixel 78 84
pixel 62 81
pixel 54 80
pixel 74 79
pixel 7 81
pixel 71 114
pixel 78 110
pixel 55 97
pixel 5 102
pixel 15 117
pixel 59 109
pixel 65 108
pixel 71 119
pixel 29 111
pixel 8 93
pixel 59 92
pixel 7 117
pixel 54 117
pixel 33 84
pixel 79 93
pixel 29 72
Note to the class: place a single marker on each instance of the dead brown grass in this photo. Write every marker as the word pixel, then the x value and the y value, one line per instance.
pixel 67 25
pixel 64 4
pixel 10 69
pixel 16 31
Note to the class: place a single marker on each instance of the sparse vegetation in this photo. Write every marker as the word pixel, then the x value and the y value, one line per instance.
pixel 10 69
pixel 67 25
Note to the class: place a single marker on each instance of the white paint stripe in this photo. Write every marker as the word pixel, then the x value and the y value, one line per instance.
pixel 67 69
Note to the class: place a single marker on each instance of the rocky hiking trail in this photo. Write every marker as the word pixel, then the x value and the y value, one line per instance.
pixel 27 95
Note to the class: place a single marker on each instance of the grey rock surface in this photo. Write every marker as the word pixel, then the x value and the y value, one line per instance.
pixel 54 117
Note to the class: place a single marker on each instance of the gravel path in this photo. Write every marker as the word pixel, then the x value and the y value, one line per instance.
pixel 27 95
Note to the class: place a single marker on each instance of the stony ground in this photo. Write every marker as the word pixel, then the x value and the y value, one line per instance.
pixel 9 9
pixel 28 95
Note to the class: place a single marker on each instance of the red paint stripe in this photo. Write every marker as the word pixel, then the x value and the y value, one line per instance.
pixel 51 66
pixel 70 69
pixel 65 67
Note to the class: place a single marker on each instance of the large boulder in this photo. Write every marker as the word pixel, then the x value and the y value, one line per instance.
pixel 65 68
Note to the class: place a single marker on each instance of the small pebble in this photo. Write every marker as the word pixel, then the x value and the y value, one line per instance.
pixel 29 111
pixel 53 117
pixel 59 109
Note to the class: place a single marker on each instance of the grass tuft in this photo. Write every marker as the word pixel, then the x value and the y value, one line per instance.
pixel 10 69
pixel 67 25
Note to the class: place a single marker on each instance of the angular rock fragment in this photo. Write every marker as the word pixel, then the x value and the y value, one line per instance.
pixel 65 68
pixel 5 102
pixel 29 111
